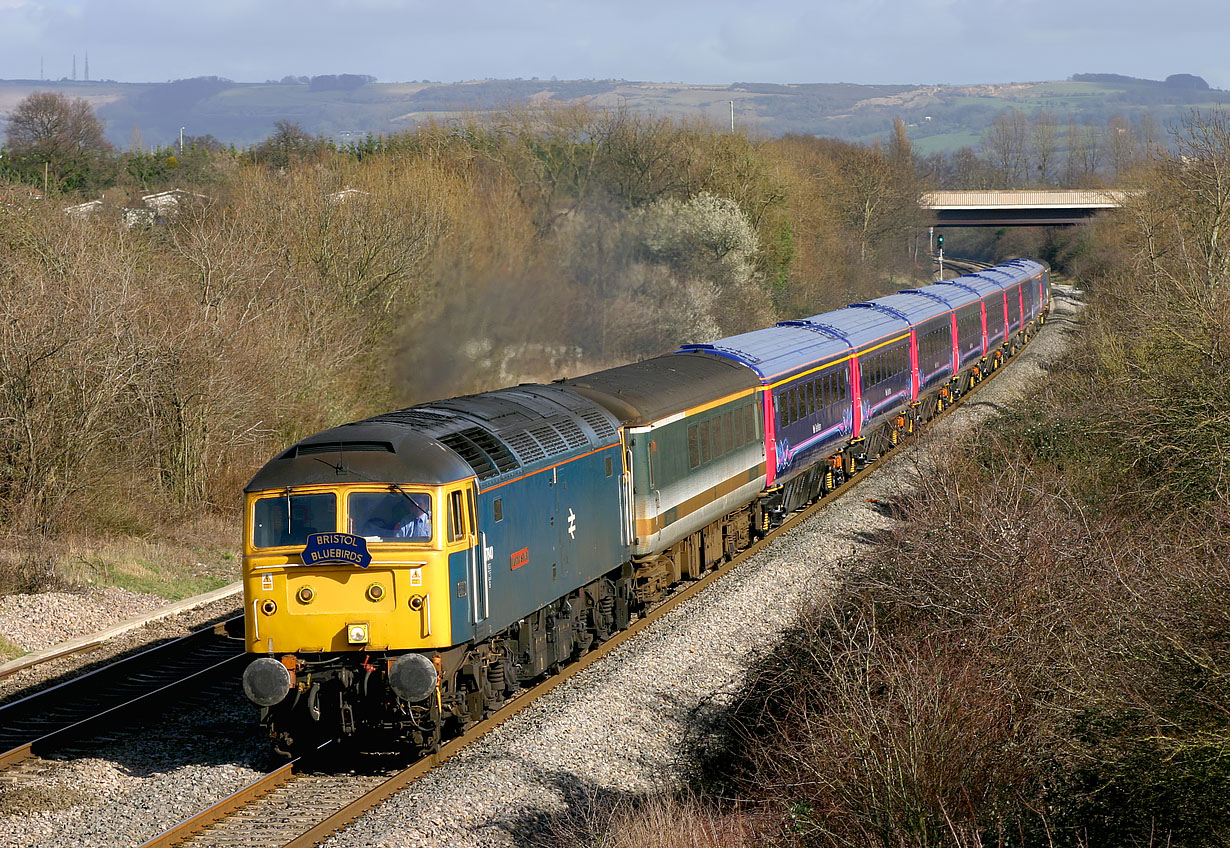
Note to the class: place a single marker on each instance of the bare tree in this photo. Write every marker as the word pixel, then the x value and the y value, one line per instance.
pixel 1093 148
pixel 50 131
pixel 1123 144
pixel 1084 145
pixel 1044 142
pixel 1005 144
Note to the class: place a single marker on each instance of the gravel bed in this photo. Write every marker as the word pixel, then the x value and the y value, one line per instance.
pixel 621 726
pixel 617 728
pixel 134 786
pixel 41 620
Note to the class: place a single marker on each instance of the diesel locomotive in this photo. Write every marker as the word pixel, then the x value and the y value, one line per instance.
pixel 406 575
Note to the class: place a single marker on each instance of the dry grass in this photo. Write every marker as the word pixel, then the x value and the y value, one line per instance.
pixel 1004 670
pixel 656 821
pixel 9 650
pixel 180 561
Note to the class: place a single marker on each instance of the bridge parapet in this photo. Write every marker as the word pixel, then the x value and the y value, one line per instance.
pixel 1034 207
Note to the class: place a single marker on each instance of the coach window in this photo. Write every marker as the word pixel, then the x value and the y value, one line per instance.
pixel 705 445
pixel 716 432
pixel 730 432
pixel 693 447
pixel 740 432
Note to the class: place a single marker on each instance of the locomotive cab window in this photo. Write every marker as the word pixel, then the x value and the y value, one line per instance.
pixel 392 516
pixel 456 519
pixel 289 519
pixel 497 509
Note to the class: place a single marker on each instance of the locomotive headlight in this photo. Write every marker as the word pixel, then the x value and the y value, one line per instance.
pixel 412 677
pixel 356 634
pixel 269 606
pixel 375 592
pixel 305 594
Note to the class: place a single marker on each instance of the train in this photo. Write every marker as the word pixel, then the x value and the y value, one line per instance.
pixel 406 575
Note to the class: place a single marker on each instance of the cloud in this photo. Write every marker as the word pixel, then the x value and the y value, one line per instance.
pixel 879 41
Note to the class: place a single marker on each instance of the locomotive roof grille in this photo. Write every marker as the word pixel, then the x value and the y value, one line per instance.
pixel 422 418
pixel 494 448
pixel 526 448
pixel 336 447
pixel 596 420
pixel 481 451
pixel 573 435
pixel 550 439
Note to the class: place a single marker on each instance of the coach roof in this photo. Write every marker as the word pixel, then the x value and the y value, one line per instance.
pixel 643 392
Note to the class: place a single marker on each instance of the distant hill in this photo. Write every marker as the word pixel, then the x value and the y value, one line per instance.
pixel 349 106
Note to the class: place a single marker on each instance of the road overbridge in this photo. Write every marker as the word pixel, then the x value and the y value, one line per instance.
pixel 1034 208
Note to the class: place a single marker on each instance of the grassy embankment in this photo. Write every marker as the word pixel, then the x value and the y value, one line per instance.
pixel 1039 652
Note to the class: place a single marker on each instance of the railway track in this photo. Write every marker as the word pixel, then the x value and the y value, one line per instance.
pixel 964 266
pixel 304 801
pixel 140 683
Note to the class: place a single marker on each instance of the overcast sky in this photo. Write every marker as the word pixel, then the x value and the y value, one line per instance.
pixel 695 41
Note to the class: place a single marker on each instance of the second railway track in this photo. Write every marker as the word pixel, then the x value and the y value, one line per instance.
pixel 118 693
